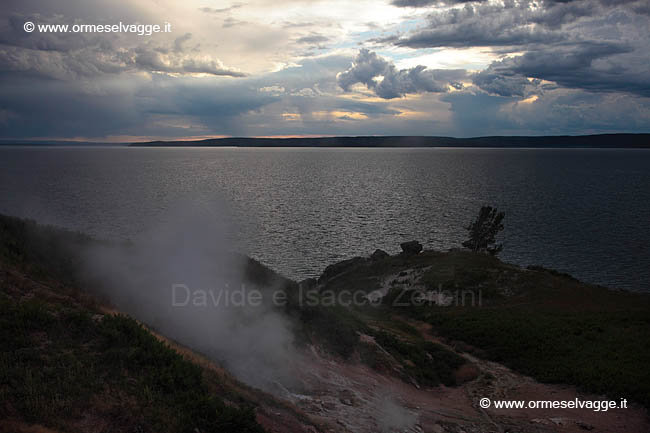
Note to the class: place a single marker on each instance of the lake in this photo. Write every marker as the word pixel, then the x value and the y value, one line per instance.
pixel 582 211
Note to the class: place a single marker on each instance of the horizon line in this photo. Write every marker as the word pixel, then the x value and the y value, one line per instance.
pixel 124 141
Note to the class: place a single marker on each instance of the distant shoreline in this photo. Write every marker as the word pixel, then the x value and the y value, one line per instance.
pixel 601 141
pixel 634 141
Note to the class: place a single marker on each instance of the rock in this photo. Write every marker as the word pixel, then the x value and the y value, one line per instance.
pixel 411 247
pixel 379 255
pixel 341 267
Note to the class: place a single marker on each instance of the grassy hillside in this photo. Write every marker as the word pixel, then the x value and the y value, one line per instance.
pixel 59 366
pixel 64 358
pixel 539 322
pixel 64 363
pixel 68 364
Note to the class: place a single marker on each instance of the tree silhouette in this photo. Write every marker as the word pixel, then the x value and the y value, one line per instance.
pixel 483 231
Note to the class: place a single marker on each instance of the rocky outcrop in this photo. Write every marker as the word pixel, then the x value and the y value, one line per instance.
pixel 379 255
pixel 411 247
pixel 341 267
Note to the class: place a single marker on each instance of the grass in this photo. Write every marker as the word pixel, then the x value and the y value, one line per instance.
pixel 428 363
pixel 603 352
pixel 56 359
pixel 57 364
pixel 60 364
pixel 334 328
pixel 42 251
pixel 543 323
pixel 337 329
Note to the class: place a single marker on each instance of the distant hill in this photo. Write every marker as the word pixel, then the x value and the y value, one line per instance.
pixel 55 143
pixel 599 141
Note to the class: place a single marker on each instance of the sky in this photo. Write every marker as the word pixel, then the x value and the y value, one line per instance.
pixel 310 68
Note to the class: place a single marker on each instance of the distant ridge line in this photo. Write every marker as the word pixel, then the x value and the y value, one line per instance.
pixel 558 141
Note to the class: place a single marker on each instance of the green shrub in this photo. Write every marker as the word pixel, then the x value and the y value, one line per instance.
pixel 432 363
pixel 54 364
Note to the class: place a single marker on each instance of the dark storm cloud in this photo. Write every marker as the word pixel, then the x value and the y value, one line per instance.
pixel 582 65
pixel 585 61
pixel 595 45
pixel 13 35
pixel 83 10
pixel 203 100
pixel 167 106
pixel 382 77
pixel 55 55
pixel 481 25
pixel 138 107
pixel 558 111
pixel 510 24
pixel 502 83
pixel 427 3
pixel 62 109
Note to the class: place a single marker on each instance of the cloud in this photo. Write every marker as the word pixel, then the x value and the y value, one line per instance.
pixel 580 66
pixel 386 80
pixel 594 45
pixel 274 90
pixel 180 41
pixel 426 3
pixel 154 59
pixel 209 10
pixel 480 25
pixel 156 106
pixel 78 55
pixel 237 70
pixel 556 111
pixel 232 22
pixel 501 83
pixel 313 38
pixel 522 23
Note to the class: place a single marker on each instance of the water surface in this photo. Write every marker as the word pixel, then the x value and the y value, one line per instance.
pixel 582 211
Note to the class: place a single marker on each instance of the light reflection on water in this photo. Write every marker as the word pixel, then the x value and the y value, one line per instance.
pixel 582 211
